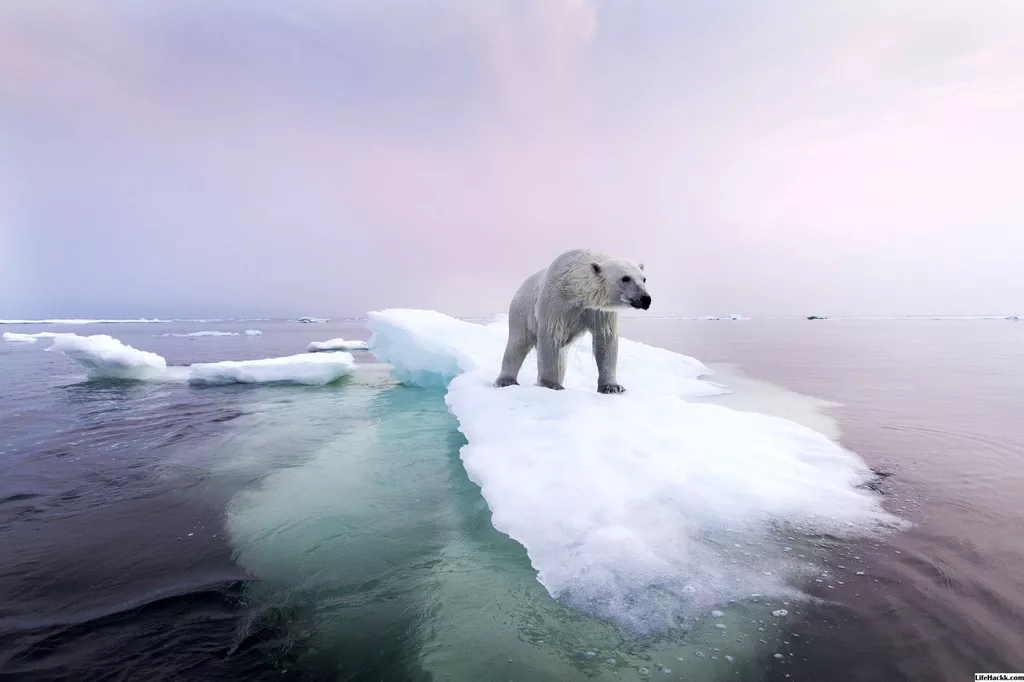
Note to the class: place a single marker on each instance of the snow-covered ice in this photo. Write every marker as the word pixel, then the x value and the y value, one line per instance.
pixel 312 370
pixel 313 320
pixel 627 504
pixel 253 332
pixel 105 357
pixel 429 349
pixel 336 344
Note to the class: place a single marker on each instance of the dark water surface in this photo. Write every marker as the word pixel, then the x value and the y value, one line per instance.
pixel 156 531
pixel 940 406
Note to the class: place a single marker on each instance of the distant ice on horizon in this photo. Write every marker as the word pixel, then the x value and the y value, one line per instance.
pixel 15 337
pixel 199 334
pixel 727 317
pixel 83 321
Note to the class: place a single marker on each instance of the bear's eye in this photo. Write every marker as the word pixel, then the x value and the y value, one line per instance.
pixel 626 278
pixel 645 280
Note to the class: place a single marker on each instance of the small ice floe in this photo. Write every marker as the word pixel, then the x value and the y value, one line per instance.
pixel 336 344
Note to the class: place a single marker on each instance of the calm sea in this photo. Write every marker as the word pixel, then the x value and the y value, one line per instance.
pixel 156 531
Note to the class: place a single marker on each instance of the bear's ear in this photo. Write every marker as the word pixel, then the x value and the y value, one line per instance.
pixel 596 267
pixel 640 265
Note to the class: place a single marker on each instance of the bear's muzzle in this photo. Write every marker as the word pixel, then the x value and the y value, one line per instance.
pixel 642 302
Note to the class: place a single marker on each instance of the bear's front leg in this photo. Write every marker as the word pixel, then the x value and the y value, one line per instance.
pixel 604 330
pixel 550 362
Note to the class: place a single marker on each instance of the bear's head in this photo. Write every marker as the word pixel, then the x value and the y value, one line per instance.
pixel 624 283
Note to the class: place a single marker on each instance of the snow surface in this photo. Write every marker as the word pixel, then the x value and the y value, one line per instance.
pixel 15 337
pixel 646 509
pixel 105 357
pixel 336 344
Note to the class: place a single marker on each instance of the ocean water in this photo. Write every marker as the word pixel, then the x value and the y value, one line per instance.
pixel 167 531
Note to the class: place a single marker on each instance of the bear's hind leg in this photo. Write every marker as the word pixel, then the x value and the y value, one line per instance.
pixel 516 350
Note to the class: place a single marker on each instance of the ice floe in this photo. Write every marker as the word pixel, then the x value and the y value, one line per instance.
pixel 311 370
pixel 105 357
pixel 645 509
pixel 336 344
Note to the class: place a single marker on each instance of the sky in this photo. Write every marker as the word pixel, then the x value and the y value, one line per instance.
pixel 166 158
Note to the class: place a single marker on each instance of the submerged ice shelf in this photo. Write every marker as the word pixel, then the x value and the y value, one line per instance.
pixel 646 509
pixel 104 357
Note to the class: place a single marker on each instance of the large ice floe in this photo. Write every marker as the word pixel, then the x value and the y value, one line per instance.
pixel 104 357
pixel 336 344
pixel 648 508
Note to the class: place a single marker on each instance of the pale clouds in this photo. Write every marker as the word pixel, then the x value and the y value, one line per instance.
pixel 329 157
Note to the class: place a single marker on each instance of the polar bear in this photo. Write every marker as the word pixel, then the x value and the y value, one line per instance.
pixel 582 290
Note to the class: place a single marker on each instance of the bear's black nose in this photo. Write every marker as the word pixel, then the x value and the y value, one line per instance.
pixel 645 302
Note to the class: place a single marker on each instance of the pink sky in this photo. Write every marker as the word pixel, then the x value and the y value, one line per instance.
pixel 326 158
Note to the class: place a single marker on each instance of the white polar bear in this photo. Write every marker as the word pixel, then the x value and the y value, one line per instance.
pixel 581 290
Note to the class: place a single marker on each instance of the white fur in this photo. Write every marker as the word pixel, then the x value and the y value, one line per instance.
pixel 582 290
